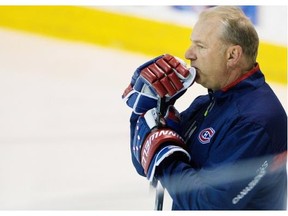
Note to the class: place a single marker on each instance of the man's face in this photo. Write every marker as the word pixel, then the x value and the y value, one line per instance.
pixel 207 54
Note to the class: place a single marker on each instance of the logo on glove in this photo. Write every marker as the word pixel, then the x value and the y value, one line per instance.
pixel 157 138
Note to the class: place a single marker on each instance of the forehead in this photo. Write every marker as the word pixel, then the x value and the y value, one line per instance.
pixel 206 30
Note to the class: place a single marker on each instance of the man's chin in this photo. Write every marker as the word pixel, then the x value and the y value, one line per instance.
pixel 198 81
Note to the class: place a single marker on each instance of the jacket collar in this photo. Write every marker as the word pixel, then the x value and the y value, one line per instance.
pixel 250 80
pixel 245 76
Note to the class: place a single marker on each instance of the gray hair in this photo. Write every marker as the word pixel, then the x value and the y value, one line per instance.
pixel 238 29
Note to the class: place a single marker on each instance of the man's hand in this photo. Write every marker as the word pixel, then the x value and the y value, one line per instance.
pixel 162 77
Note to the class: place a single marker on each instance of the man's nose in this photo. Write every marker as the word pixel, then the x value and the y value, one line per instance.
pixel 190 54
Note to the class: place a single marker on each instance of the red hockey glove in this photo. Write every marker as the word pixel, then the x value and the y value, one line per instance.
pixel 162 77
pixel 151 144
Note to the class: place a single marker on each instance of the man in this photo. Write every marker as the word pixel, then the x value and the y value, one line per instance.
pixel 228 149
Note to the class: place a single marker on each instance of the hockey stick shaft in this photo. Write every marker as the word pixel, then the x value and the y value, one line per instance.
pixel 159 188
pixel 159 197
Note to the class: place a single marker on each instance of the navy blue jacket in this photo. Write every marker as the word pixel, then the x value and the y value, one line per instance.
pixel 235 138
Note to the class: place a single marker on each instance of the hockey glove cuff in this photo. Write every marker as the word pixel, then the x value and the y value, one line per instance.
pixel 152 144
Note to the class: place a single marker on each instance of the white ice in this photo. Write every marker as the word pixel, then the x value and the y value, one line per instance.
pixel 64 130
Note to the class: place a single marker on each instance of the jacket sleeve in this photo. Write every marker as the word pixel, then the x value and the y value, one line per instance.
pixel 234 172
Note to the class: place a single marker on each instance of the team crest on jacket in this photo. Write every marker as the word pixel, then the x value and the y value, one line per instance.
pixel 205 135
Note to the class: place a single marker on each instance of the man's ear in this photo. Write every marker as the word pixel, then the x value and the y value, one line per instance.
pixel 234 54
